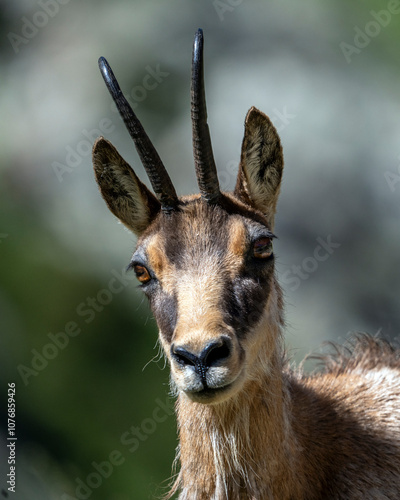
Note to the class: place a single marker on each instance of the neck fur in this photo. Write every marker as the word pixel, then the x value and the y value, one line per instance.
pixel 244 447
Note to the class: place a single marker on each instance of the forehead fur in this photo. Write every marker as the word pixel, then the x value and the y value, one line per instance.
pixel 199 226
pixel 189 237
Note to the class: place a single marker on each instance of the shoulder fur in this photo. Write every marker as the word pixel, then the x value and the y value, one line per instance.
pixel 360 353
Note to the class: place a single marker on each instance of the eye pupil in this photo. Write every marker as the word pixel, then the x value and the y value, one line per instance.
pixel 262 248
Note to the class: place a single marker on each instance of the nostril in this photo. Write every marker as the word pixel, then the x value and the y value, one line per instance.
pixel 184 357
pixel 215 352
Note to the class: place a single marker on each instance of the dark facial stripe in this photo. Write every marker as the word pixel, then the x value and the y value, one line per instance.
pixel 164 307
pixel 245 298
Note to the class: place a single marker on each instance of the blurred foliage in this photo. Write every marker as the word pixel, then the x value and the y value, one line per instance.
pixel 60 248
pixel 90 392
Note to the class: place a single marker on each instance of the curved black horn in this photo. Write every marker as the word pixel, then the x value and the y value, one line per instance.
pixel 206 170
pixel 159 178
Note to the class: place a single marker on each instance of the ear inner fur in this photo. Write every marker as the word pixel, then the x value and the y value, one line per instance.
pixel 126 196
pixel 261 165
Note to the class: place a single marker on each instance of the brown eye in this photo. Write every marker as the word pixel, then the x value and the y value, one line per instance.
pixel 262 248
pixel 142 274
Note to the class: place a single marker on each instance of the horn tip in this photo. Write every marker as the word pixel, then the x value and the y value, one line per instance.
pixel 108 76
pixel 102 62
pixel 104 67
pixel 198 39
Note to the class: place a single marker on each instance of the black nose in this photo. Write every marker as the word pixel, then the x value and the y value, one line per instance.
pixel 213 354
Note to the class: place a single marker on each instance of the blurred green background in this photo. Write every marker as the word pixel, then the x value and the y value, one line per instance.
pixel 93 415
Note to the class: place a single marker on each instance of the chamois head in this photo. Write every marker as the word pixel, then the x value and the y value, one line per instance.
pixel 204 261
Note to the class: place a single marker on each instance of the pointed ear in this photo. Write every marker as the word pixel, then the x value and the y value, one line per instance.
pixel 126 196
pixel 261 165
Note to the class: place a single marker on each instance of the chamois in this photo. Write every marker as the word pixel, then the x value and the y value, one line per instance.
pixel 250 427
